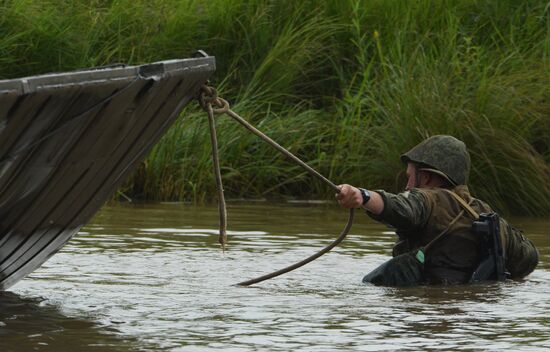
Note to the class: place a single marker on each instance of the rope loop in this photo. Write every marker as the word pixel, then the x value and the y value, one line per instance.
pixel 209 96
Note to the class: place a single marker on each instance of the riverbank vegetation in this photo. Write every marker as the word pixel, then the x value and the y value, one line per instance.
pixel 346 85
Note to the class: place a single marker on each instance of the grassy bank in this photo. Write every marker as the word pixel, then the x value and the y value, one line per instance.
pixel 347 85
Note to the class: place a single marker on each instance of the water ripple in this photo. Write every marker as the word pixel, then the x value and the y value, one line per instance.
pixel 157 280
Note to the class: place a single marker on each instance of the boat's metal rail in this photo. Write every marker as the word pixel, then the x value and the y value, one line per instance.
pixel 118 72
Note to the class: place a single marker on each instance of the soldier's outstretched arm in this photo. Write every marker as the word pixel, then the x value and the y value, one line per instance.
pixel 404 210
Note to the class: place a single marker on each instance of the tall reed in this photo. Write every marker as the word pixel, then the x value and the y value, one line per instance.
pixel 347 85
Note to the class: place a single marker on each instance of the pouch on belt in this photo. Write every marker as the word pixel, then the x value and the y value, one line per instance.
pixel 404 270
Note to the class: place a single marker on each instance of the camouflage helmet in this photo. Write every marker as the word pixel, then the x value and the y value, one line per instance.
pixel 443 155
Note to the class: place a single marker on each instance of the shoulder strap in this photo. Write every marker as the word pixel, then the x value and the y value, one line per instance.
pixel 462 202
pixel 465 206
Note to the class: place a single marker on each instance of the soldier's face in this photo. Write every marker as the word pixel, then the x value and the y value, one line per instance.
pixel 412 176
pixel 418 179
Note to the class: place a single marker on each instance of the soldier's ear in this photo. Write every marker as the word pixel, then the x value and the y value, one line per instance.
pixel 427 178
pixel 430 179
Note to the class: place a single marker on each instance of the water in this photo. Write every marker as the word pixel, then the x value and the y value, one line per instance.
pixel 152 278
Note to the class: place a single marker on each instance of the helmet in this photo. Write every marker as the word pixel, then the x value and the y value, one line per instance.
pixel 443 155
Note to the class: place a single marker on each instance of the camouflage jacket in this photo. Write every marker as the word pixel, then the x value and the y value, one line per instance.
pixel 420 215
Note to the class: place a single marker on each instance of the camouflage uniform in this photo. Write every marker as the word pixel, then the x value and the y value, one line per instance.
pixel 421 214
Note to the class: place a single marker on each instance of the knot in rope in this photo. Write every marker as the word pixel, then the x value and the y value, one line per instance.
pixel 208 96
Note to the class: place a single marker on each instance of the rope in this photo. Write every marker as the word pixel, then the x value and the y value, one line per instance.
pixel 209 101
pixel 219 186
pixel 311 258
pixel 208 97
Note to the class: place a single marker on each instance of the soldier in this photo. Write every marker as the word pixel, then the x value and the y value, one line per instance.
pixel 433 220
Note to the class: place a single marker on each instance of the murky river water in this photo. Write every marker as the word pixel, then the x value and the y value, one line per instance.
pixel 152 278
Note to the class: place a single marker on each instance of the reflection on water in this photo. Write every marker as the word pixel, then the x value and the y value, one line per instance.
pixel 152 277
pixel 28 324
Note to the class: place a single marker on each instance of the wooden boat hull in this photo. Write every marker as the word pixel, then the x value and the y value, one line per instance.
pixel 67 141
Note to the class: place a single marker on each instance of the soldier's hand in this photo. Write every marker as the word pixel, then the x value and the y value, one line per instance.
pixel 349 196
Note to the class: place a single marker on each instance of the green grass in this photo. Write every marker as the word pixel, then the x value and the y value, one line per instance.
pixel 347 85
